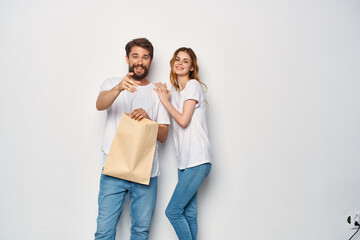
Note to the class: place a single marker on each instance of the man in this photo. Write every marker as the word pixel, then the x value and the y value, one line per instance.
pixel 132 94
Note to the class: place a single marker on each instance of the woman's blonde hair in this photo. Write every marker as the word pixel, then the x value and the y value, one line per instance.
pixel 192 75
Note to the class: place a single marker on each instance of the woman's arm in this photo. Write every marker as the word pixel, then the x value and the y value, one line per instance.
pixel 183 119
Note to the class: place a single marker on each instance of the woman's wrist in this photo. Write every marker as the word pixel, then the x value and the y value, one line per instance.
pixel 166 103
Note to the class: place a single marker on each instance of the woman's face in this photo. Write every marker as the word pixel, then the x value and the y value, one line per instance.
pixel 183 64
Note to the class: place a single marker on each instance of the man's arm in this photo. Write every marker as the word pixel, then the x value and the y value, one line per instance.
pixel 107 98
pixel 140 113
pixel 162 132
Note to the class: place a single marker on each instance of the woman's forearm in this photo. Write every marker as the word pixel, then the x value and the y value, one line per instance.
pixel 183 119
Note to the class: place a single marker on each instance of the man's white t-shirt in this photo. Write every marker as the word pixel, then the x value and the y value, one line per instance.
pixel 127 102
pixel 191 143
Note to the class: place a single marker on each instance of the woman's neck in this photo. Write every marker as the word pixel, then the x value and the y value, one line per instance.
pixel 182 80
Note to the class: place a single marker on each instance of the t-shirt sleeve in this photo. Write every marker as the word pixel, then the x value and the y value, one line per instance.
pixel 193 90
pixel 107 85
pixel 163 115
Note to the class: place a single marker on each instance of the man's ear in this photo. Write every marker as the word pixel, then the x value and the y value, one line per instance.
pixel 127 59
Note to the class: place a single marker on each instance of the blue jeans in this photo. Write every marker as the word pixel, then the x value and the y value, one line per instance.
pixel 112 196
pixel 182 208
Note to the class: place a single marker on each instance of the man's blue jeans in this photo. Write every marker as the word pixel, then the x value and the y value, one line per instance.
pixel 182 208
pixel 112 196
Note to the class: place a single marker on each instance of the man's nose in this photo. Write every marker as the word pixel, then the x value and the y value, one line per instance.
pixel 140 61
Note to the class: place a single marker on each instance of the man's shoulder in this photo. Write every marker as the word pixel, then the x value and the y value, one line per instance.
pixel 110 83
pixel 114 79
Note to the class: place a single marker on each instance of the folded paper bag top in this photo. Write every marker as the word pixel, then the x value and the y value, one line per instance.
pixel 132 151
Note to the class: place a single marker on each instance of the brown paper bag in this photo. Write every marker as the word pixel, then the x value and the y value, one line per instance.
pixel 132 150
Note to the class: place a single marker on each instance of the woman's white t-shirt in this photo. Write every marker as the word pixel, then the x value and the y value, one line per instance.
pixel 191 143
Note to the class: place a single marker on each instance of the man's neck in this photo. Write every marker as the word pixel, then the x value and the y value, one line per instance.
pixel 144 82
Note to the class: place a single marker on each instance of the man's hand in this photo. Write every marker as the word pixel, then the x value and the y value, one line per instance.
pixel 127 83
pixel 139 114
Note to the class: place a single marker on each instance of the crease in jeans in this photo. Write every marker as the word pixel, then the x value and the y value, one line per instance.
pixel 177 203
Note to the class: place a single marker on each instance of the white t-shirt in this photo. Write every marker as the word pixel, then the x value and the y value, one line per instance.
pixel 191 143
pixel 127 102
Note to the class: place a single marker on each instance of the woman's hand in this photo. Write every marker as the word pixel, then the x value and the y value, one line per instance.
pixel 162 92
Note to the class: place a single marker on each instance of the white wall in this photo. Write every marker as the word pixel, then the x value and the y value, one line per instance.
pixel 284 113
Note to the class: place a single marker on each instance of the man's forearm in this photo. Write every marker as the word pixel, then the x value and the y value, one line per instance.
pixel 162 133
pixel 107 98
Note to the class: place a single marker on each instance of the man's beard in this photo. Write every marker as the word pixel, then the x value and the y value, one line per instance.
pixel 136 76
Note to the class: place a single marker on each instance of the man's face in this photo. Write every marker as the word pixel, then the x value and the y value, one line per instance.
pixel 139 62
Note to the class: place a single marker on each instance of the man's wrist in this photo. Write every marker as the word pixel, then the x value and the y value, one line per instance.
pixel 119 89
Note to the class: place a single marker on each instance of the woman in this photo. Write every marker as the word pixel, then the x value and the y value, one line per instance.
pixel 188 111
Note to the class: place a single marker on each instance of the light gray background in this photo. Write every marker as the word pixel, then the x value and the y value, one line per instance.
pixel 284 113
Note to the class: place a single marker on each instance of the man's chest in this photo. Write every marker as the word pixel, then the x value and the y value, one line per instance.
pixel 144 99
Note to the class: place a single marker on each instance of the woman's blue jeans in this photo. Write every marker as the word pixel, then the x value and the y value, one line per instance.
pixel 112 196
pixel 182 208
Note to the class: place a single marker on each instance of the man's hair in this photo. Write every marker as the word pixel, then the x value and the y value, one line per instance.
pixel 140 42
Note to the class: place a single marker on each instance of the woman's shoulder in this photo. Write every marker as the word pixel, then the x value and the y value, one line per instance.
pixel 193 83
